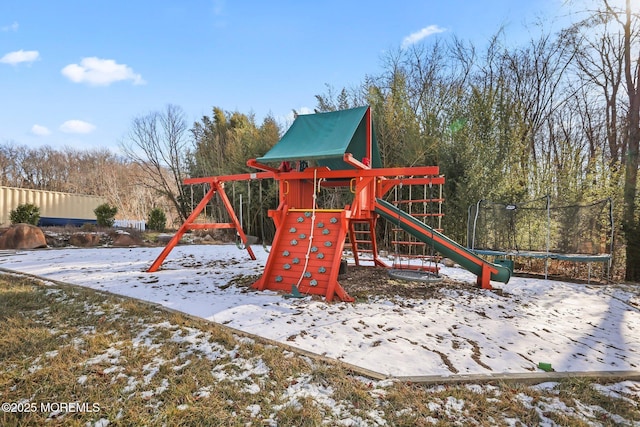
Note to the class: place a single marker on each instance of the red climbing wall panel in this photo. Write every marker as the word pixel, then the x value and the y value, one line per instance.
pixel 301 234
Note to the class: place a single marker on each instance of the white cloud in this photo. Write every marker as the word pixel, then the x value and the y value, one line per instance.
pixel 100 72
pixel 77 126
pixel 12 27
pixel 19 56
pixel 421 34
pixel 40 130
pixel 218 7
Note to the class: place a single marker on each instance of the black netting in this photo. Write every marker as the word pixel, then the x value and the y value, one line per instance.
pixel 539 226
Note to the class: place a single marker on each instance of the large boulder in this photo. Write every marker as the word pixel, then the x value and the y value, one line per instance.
pixel 84 240
pixel 23 236
pixel 126 240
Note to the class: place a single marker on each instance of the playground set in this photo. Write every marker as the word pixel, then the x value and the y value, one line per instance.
pixel 306 252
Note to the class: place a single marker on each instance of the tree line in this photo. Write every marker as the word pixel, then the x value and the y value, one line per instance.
pixel 96 172
pixel 558 116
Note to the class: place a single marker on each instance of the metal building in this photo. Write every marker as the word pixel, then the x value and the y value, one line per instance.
pixel 56 208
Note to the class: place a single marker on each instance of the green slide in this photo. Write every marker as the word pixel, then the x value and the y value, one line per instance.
pixel 444 245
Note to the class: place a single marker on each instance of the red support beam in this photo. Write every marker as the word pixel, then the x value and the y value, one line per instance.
pixel 324 172
pixel 211 226
pixel 228 178
pixel 369 143
pixel 189 224
pixel 234 219
pixel 183 228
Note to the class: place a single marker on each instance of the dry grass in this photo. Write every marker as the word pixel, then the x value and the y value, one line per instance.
pixel 122 362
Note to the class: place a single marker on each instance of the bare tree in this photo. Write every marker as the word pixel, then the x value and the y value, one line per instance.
pixel 11 158
pixel 599 62
pixel 157 143
pixel 632 77
pixel 536 77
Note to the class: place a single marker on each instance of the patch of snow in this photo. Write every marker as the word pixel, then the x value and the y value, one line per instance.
pixel 111 356
pixel 545 386
pixel 242 368
pixel 113 369
pixel 254 410
pixel 180 367
pixel 164 385
pixel 203 393
pixel 252 388
pixel 629 391
pixel 132 383
pixel 102 422
pixel 34 368
pixel 302 387
pixel 573 326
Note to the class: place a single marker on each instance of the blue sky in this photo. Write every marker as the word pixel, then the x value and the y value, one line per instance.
pixel 76 72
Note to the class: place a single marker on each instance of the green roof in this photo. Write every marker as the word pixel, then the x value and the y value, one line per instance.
pixel 325 138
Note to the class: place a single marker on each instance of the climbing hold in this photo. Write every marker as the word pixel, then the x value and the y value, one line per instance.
pixel 292 230
pixel 322 270
pixel 300 219
pixel 325 231
pixel 313 282
pixel 327 244
pixel 320 224
pixel 307 214
pixel 285 253
pixel 333 220
pixel 286 266
pixel 302 235
pixel 307 274
pixel 314 249
pixel 296 261
pixel 320 255
pixel 278 279
pixel 294 242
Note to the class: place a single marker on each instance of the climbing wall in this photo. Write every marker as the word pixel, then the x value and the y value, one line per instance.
pixel 322 238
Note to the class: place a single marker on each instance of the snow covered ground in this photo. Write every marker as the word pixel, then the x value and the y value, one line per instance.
pixel 574 327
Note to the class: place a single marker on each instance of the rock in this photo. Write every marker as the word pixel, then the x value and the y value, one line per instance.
pixel 56 240
pixel 125 239
pixel 84 240
pixel 448 263
pixel 23 236
pixel 164 238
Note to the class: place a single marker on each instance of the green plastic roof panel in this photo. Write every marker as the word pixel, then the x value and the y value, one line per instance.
pixel 325 137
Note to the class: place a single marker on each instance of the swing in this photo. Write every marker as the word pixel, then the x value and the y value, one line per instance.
pixel 264 243
pixel 239 243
